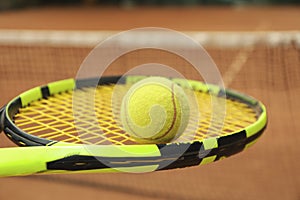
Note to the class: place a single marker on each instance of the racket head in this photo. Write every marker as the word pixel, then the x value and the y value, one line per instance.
pixel 201 150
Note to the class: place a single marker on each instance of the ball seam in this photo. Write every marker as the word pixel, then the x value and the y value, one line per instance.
pixel 174 114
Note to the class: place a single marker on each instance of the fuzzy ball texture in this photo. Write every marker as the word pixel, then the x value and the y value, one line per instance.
pixel 155 110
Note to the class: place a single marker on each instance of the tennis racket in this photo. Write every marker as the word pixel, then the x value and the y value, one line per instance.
pixel 52 140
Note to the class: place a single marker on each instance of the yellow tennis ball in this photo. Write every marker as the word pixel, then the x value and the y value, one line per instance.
pixel 155 110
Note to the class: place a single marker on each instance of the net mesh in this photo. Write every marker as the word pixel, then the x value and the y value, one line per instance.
pixel 33 58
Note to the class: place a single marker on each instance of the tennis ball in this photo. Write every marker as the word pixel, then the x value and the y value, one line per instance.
pixel 155 110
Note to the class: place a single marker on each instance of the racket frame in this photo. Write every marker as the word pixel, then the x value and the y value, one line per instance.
pixel 162 156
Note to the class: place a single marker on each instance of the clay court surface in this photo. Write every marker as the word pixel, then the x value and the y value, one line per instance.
pixel 268 170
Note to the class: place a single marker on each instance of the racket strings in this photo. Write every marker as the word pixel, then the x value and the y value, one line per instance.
pixel 90 116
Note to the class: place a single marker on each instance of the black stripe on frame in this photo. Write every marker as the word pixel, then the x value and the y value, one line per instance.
pixel 2 110
pixel 93 82
pixel 19 138
pixel 76 162
pixel 231 150
pixel 230 139
pixel 111 80
pixel 45 92
pixel 181 162
pixel 14 106
pixel 81 162
pixel 180 155
pixel 238 146
pixel 227 150
pixel 175 149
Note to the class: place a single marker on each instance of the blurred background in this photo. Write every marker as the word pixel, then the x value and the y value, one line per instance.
pixel 5 4
pixel 255 44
